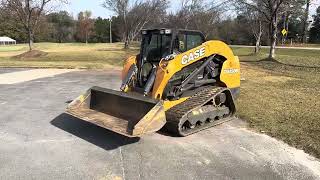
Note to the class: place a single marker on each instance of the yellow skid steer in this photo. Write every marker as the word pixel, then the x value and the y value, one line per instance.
pixel 179 82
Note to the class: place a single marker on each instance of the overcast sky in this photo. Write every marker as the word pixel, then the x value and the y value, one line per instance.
pixel 76 6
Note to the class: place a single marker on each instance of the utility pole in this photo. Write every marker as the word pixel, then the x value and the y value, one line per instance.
pixel 110 22
pixel 306 24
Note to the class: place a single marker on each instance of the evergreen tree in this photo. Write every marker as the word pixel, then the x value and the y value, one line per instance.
pixel 63 25
pixel 315 29
pixel 101 30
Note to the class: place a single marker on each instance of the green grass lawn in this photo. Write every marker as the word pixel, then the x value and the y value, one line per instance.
pixel 303 45
pixel 298 57
pixel 80 55
pixel 13 48
pixel 280 99
pixel 67 55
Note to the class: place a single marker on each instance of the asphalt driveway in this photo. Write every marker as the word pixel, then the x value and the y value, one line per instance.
pixel 39 141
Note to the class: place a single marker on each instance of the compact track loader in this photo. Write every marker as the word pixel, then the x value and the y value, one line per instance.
pixel 178 82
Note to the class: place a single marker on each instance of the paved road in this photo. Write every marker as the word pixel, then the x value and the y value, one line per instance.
pixel 281 47
pixel 39 141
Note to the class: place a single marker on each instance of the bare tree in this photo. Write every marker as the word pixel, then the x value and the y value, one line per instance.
pixel 145 14
pixel 120 8
pixel 256 25
pixel 270 10
pixel 85 26
pixel 135 14
pixel 255 21
pixel 204 17
pixel 197 15
pixel 28 13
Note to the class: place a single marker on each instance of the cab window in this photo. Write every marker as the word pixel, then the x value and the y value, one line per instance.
pixel 193 41
pixel 188 40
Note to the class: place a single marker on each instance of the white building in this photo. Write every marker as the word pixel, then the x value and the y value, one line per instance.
pixel 7 40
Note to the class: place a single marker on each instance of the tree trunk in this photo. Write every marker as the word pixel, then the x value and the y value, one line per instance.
pixel 30 39
pixel 110 30
pixel 306 24
pixel 258 39
pixel 287 27
pixel 86 38
pixel 126 43
pixel 257 48
pixel 272 53
pixel 273 38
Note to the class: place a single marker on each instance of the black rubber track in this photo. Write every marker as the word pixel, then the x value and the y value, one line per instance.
pixel 177 115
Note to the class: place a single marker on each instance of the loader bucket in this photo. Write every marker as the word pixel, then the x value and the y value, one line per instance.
pixel 132 115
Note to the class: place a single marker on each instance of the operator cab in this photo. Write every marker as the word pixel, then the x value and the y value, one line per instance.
pixel 157 44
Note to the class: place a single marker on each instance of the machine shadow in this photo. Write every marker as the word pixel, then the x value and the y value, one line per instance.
pixel 91 133
pixel 164 132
